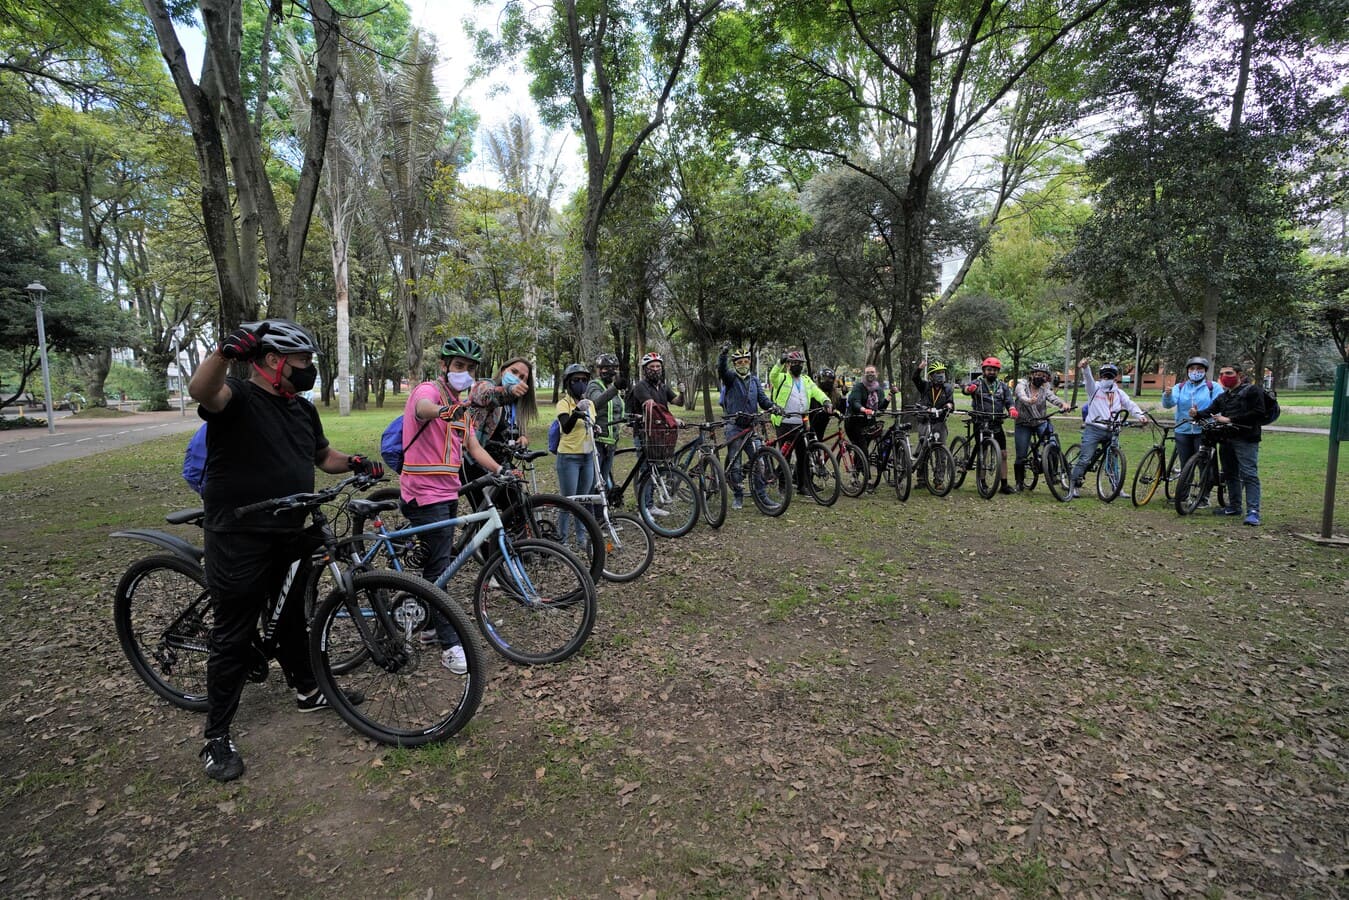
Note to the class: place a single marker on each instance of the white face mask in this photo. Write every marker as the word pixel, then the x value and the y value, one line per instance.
pixel 460 380
pixel 1107 384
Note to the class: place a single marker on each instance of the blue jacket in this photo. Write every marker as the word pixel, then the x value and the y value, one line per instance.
pixel 743 395
pixel 1186 394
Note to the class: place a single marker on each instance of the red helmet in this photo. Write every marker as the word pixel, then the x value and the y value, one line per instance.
pixel 796 356
pixel 650 358
pixel 991 361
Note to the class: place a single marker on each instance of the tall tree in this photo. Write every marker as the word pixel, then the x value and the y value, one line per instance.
pixel 592 61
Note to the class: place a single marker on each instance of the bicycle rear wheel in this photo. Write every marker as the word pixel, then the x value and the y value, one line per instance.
pixel 1147 477
pixel 1058 474
pixel 629 549
pixel 822 474
pixel 939 470
pixel 535 604
pixel 163 616
pixel 987 468
pixel 960 453
pixel 770 481
pixel 1110 474
pixel 713 495
pixel 853 470
pixel 553 512
pixel 668 501
pixel 410 697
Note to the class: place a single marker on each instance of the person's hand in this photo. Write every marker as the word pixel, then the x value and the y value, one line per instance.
pixel 679 423
pixel 829 407
pixel 621 382
pixel 362 465
pixel 243 343
pixel 583 406
pixel 971 388
pixel 1194 410
pixel 1082 363
pixel 1014 413
pixel 725 346
pixel 519 389
pixel 1221 419
pixel 868 412
pixel 522 440
pixel 1143 420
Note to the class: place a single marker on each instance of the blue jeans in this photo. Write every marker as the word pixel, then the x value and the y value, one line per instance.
pixel 607 463
pixel 439 546
pixel 1091 437
pixel 1186 445
pixel 575 475
pixel 1022 434
pixel 1241 469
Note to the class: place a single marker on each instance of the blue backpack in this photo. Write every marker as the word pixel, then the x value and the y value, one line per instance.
pixel 554 436
pixel 194 461
pixel 391 447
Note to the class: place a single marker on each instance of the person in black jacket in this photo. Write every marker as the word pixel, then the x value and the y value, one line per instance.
pixel 867 397
pixel 935 393
pixel 1241 405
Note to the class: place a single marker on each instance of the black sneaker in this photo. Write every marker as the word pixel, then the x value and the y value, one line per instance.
pixel 1008 489
pixel 317 701
pixel 223 762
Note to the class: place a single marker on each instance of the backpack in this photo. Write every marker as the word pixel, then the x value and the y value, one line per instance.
pixel 391 447
pixel 194 461
pixel 1272 409
pixel 554 436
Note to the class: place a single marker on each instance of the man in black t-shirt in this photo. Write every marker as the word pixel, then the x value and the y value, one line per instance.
pixel 264 442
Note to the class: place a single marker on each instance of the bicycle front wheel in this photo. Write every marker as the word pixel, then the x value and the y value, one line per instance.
pixel 822 474
pixel 1147 477
pixel 770 481
pixel 853 470
pixel 668 501
pixel 1058 474
pixel 535 604
pixel 553 514
pixel 987 468
pixel 901 471
pixel 960 452
pixel 1110 474
pixel 713 495
pixel 629 547
pixel 1194 483
pixel 163 617
pixel 403 693
pixel 939 470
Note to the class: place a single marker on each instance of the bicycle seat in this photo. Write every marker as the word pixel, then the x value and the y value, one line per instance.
pixel 367 508
pixel 184 516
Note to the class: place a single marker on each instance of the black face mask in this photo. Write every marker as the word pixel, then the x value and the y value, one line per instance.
pixel 1038 382
pixel 653 377
pixel 796 370
pixel 938 378
pixel 303 379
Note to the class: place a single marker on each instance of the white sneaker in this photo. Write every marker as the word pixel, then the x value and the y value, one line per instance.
pixel 453 659
pixel 657 512
pixel 1073 494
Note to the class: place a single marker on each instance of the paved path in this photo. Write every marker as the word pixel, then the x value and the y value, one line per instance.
pixel 31 448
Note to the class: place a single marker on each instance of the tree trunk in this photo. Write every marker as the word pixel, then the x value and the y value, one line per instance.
pixel 343 385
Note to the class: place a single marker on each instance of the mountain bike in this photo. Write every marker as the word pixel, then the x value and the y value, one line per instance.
pixel 890 458
pixel 1161 467
pixel 1045 457
pixel 978 450
pixel 821 469
pixel 363 633
pixel 1202 472
pixel 770 477
pixel 698 459
pixel 534 600
pixel 933 462
pixel 1108 460
pixel 853 470
pixel 629 547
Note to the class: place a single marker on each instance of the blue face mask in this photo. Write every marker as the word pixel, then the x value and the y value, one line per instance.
pixel 1197 377
pixel 578 388
pixel 509 379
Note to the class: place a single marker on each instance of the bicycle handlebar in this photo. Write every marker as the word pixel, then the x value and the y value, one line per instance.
pixel 308 499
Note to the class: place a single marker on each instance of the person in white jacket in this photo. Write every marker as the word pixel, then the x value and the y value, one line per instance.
pixel 1104 399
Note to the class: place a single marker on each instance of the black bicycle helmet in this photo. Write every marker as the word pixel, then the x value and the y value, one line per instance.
pixel 285 336
pixel 461 346
pixel 826 373
pixel 574 369
pixel 606 361
pixel 1197 361
pixel 1109 370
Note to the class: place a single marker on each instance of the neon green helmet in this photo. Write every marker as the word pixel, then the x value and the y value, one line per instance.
pixel 464 347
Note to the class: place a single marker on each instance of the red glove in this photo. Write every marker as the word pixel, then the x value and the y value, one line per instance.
pixel 242 343
pixel 371 468
pixel 868 412
pixel 1014 413
pixel 971 388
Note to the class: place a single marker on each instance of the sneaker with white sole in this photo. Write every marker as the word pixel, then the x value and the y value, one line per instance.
pixel 223 762
pixel 657 512
pixel 1073 494
pixel 453 659
pixel 316 701
pixel 738 503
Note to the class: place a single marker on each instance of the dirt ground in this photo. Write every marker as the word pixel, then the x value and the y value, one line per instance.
pixel 949 697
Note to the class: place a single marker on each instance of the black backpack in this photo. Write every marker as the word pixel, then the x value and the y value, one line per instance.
pixel 1271 403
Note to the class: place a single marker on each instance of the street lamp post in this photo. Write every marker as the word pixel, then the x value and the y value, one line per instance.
pixel 1069 373
pixel 38 292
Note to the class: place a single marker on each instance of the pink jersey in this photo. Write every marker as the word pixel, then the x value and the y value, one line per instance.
pixel 431 463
